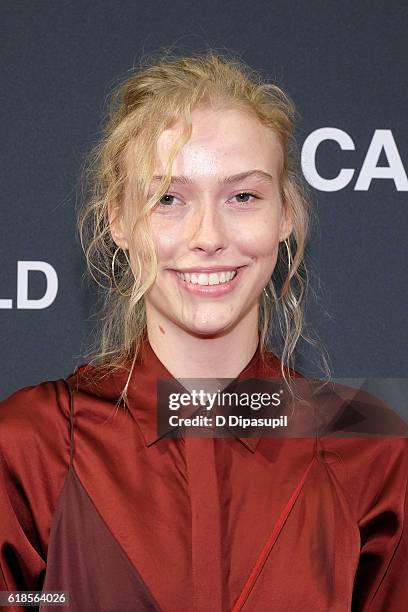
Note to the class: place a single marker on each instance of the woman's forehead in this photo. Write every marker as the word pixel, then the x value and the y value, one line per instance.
pixel 223 143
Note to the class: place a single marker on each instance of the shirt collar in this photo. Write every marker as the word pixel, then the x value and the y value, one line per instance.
pixel 142 389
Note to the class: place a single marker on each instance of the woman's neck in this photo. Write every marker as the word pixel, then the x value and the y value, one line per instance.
pixel 188 356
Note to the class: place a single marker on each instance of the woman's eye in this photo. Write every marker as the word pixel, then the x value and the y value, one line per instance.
pixel 167 199
pixel 243 197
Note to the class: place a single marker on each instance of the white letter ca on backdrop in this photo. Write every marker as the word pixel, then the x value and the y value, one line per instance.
pixel 381 142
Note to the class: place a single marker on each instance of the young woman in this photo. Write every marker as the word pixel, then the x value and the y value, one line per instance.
pixel 197 223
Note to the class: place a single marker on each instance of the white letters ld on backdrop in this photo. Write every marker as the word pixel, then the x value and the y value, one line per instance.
pixel 23 301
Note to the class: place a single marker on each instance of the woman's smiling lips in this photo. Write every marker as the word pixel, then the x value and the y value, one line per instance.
pixel 212 281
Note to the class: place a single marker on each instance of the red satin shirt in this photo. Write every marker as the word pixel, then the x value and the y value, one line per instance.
pixel 92 502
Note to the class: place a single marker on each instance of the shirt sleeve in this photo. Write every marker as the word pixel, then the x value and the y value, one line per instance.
pixel 34 460
pixel 381 582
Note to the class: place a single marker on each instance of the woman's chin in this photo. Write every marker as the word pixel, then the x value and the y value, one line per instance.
pixel 209 329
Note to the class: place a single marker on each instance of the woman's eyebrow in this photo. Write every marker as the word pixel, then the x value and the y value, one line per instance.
pixel 234 178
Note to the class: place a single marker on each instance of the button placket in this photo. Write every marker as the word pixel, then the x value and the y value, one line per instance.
pixel 205 524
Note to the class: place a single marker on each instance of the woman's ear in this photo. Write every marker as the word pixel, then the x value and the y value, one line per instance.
pixel 286 224
pixel 117 226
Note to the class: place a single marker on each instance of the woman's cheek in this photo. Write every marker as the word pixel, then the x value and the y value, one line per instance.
pixel 261 243
pixel 166 243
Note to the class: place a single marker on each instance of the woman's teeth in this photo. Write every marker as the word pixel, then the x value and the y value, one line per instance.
pixel 202 278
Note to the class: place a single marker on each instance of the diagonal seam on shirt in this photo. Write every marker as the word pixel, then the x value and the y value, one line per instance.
pixel 261 560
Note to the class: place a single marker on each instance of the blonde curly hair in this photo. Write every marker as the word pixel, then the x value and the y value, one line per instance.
pixel 164 89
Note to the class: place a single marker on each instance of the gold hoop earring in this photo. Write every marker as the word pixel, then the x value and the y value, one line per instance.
pixel 286 241
pixel 127 258
pixel 113 271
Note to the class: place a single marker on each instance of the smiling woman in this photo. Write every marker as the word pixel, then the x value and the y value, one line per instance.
pixel 197 174
pixel 201 228
pixel 195 225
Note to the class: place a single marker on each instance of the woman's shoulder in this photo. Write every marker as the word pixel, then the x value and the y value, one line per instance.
pixel 344 411
pixel 364 440
pixel 32 404
pixel 33 420
pixel 37 404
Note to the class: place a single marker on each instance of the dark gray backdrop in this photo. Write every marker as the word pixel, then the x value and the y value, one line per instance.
pixel 344 63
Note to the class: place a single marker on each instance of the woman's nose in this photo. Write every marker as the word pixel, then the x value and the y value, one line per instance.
pixel 207 230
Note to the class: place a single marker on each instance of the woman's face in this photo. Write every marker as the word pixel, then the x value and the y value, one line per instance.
pixel 218 227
